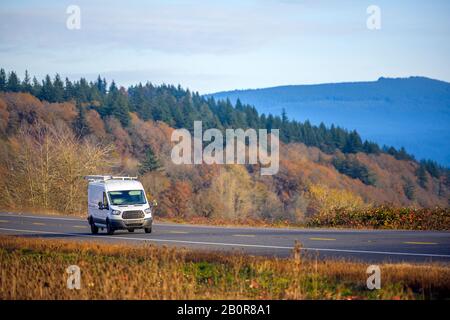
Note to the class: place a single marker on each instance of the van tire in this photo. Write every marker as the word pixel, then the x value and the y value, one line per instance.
pixel 130 230
pixel 94 228
pixel 109 228
pixel 148 230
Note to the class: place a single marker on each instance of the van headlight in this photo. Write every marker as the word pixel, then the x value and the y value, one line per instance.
pixel 116 212
pixel 148 211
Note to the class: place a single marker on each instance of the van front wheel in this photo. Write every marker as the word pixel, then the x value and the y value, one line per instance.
pixel 94 228
pixel 109 228
pixel 148 230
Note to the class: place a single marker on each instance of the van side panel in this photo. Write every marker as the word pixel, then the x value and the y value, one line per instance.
pixel 95 195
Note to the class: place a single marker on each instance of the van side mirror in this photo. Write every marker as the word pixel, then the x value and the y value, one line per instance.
pixel 102 206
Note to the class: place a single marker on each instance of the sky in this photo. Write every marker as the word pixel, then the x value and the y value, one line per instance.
pixel 211 45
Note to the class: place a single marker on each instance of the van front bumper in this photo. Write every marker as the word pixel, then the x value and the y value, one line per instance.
pixel 132 223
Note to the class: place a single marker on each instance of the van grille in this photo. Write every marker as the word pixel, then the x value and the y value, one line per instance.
pixel 135 214
pixel 134 224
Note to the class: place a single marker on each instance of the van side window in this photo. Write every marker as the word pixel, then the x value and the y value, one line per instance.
pixel 105 199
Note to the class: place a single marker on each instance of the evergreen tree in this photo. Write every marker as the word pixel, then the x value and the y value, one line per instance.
pixel 150 163
pixel 239 105
pixel 80 124
pixel 402 155
pixel 284 130
pixel 351 167
pixel 251 115
pixel 189 114
pixel 58 89
pixel 26 83
pixel 371 147
pixel 353 143
pixel 432 168
pixel 2 80
pixel 421 174
pixel 284 117
pixel 179 107
pixel 47 92
pixel 13 83
pixel 409 188
pixel 82 91
pixel 117 105
pixel 36 87
pixel 101 85
pixel 69 93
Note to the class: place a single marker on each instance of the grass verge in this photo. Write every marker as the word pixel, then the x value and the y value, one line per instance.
pixel 36 269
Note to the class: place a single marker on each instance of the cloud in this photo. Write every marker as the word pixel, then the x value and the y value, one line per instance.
pixel 186 27
pixel 178 28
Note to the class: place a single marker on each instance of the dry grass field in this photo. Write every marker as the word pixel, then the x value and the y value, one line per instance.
pixel 36 269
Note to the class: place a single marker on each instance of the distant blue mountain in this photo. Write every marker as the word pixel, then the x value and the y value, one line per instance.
pixel 411 112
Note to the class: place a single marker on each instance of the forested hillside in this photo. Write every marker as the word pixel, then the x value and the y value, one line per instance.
pixel 179 108
pixel 53 132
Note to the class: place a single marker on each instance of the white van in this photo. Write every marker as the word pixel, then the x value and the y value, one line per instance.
pixel 118 203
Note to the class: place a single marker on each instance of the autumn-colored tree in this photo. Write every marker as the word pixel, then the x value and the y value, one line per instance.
pixel 41 154
pixel 95 124
pixel 47 166
pixel 155 183
pixel 4 117
pixel 325 199
pixel 234 189
pixel 176 201
pixel 122 139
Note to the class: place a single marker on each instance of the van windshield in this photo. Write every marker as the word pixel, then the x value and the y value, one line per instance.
pixel 127 197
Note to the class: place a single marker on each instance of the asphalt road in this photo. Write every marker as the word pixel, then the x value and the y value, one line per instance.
pixel 360 245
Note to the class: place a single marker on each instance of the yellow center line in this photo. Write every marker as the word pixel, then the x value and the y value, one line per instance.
pixel 323 239
pixel 418 242
pixel 39 224
pixel 80 227
pixel 4 221
pixel 243 235
pixel 173 231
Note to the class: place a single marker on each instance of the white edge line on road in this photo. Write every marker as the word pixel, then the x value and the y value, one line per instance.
pixel 40 217
pixel 234 244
